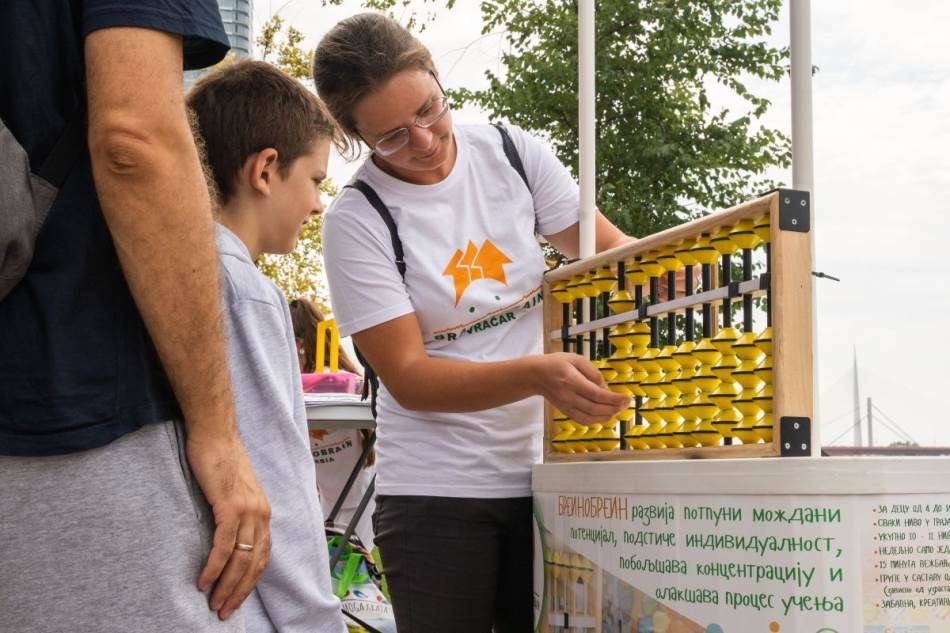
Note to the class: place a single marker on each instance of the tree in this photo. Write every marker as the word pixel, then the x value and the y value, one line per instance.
pixel 297 274
pixel 664 152
pixel 290 57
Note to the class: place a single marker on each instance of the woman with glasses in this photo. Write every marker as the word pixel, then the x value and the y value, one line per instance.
pixel 452 326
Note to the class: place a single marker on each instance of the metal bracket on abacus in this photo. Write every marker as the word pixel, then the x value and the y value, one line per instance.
pixel 794 210
pixel 796 436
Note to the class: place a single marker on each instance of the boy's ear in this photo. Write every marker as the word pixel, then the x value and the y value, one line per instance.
pixel 260 170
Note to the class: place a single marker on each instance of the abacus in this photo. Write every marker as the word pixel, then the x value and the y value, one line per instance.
pixel 700 387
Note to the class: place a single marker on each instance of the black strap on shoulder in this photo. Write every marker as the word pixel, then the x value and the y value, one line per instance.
pixel 387 217
pixel 370 378
pixel 511 153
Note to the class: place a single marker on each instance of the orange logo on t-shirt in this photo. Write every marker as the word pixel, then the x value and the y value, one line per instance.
pixel 475 263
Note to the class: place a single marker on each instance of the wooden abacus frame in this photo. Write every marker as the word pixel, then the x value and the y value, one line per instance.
pixel 789 281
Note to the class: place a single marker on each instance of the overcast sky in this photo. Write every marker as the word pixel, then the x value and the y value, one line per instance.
pixel 882 190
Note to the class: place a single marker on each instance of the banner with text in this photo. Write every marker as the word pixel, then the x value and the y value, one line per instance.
pixel 743 564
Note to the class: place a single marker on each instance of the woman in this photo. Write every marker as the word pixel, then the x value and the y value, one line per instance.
pixel 456 340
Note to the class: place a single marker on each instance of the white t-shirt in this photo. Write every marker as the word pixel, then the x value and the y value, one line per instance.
pixel 473 279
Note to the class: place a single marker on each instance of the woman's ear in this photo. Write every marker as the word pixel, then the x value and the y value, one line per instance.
pixel 260 169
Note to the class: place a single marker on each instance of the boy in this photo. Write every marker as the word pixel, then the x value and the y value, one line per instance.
pixel 266 141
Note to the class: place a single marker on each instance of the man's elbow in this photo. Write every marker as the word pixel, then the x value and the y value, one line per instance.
pixel 125 147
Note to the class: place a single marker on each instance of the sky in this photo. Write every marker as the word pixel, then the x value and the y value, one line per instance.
pixel 881 194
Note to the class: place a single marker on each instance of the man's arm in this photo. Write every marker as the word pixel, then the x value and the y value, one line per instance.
pixel 155 202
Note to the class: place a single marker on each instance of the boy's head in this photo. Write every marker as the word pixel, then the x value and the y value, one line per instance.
pixel 266 141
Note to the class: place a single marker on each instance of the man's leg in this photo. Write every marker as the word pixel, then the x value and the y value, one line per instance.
pixel 107 540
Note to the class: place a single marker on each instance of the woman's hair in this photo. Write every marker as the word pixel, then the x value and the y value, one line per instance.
pixel 356 57
pixel 305 316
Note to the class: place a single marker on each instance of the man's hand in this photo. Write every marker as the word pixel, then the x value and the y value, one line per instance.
pixel 241 515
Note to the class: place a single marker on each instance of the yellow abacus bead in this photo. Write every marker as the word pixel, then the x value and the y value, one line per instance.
pixel 764 428
pixel 764 370
pixel 764 398
pixel 666 360
pixel 575 287
pixel 604 280
pixel 761 227
pixel 684 252
pixel 722 242
pixel 640 335
pixel 560 292
pixel 706 353
pixel 668 259
pixel 764 341
pixel 724 368
pixel 745 347
pixel 745 374
pixel 684 355
pixel 725 339
pixel 636 276
pixel 743 234
pixel 705 379
pixel 704 408
pixel 706 434
pixel 620 301
pixel 703 250
pixel 650 265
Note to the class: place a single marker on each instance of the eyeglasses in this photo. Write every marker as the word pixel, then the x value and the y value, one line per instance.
pixel 394 141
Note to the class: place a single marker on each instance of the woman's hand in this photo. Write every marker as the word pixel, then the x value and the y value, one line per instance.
pixel 575 387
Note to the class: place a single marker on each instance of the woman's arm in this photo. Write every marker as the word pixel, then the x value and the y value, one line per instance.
pixel 424 383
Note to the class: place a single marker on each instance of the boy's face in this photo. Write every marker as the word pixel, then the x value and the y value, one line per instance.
pixel 295 196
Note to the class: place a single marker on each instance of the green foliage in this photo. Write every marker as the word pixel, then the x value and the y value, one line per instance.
pixel 285 46
pixel 664 153
pixel 402 10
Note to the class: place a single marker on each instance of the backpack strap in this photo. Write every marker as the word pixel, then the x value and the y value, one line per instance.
pixel 383 211
pixel 511 153
pixel 370 378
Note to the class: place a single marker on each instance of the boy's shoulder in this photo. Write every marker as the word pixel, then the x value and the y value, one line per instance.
pixel 241 280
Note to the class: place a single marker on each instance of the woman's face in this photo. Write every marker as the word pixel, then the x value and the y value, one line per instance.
pixel 429 155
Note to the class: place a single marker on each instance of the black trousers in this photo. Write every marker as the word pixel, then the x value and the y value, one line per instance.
pixel 457 565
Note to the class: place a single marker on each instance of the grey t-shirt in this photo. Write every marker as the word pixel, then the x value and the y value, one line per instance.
pixel 294 593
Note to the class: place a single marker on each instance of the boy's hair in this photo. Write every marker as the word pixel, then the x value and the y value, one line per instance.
pixel 359 55
pixel 248 106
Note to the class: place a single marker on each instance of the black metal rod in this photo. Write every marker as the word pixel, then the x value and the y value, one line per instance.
pixel 566 318
pixel 768 292
pixel 726 280
pixel 579 319
pixel 654 321
pixel 357 468
pixel 671 317
pixel 690 314
pixel 746 299
pixel 707 309
pixel 592 302
pixel 605 309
